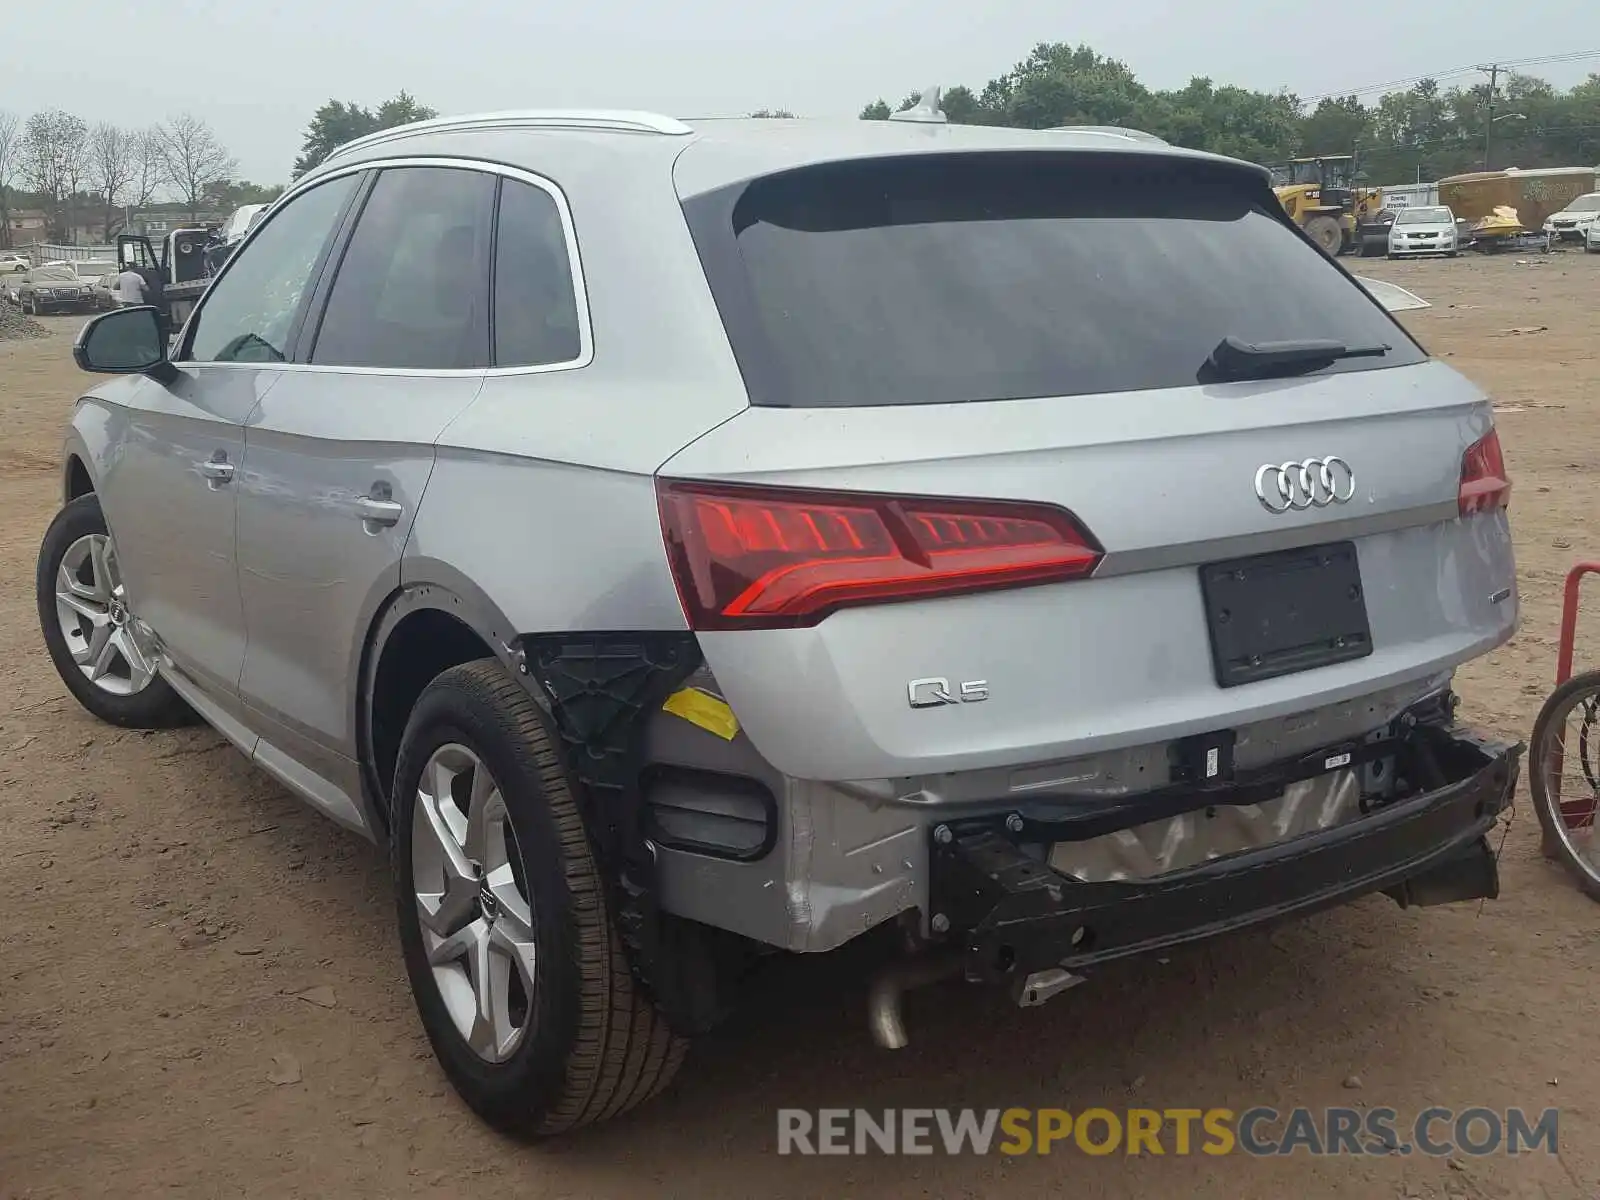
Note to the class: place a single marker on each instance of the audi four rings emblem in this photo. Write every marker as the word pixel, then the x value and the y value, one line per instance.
pixel 1314 483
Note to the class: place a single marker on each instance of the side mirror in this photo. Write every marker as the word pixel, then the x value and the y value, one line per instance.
pixel 124 342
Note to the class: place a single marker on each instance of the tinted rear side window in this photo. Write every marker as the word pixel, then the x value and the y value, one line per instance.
pixel 536 319
pixel 952 278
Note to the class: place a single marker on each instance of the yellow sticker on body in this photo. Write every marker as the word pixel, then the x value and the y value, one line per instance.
pixel 701 708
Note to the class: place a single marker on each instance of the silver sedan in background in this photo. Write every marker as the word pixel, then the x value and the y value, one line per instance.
pixel 1427 230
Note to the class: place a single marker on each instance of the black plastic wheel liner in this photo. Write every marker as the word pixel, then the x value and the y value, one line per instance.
pixel 600 689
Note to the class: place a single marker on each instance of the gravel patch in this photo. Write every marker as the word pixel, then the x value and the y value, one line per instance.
pixel 15 325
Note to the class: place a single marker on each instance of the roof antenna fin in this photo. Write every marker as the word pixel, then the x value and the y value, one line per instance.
pixel 925 110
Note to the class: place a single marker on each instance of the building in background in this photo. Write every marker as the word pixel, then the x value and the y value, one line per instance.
pixel 28 225
pixel 157 220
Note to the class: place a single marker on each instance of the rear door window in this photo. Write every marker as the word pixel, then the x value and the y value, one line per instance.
pixel 967 277
pixel 412 291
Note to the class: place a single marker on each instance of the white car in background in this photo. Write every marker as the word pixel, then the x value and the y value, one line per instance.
pixel 14 264
pixel 1426 229
pixel 1591 240
pixel 1577 221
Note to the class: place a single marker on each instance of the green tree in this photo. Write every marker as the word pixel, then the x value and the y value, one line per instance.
pixel 229 194
pixel 958 104
pixel 1338 125
pixel 338 122
pixel 402 110
pixel 1413 135
pixel 1059 84
pixel 963 108
pixel 1260 127
pixel 1573 131
pixel 1423 132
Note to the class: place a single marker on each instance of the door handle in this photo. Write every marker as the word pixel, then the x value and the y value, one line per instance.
pixel 216 472
pixel 379 512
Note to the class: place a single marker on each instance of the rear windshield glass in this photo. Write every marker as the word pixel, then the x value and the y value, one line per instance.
pixel 953 278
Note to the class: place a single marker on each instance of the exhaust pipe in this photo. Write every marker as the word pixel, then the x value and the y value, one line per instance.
pixel 888 990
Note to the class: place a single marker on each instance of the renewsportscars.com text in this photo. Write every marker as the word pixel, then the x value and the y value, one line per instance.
pixel 1258 1132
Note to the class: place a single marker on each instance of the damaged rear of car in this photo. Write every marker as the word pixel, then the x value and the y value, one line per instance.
pixel 684 544
pixel 1085 577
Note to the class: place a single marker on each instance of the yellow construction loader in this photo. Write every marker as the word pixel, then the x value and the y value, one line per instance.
pixel 1320 195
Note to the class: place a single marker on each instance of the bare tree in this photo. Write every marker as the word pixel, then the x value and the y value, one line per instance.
pixel 111 170
pixel 10 145
pixel 74 179
pixel 145 177
pixel 52 153
pixel 192 159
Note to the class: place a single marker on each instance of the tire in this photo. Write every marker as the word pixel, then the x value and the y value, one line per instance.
pixel 1326 233
pixel 1542 745
pixel 591 1045
pixel 126 692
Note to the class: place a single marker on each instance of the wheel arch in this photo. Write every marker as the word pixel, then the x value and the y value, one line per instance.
pixel 75 478
pixel 435 620
pixel 85 449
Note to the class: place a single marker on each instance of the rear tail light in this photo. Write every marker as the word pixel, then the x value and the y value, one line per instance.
pixel 766 558
pixel 1484 482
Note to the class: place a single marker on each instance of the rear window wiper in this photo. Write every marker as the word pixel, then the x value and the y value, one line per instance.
pixel 1236 359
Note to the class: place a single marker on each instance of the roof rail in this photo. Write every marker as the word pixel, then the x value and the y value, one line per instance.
pixel 603 119
pixel 1134 135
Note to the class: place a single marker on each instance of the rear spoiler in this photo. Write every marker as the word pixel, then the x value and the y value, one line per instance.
pixel 1393 299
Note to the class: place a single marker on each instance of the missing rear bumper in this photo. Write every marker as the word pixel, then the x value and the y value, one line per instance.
pixel 1015 916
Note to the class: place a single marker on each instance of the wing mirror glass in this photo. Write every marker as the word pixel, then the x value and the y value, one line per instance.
pixel 124 342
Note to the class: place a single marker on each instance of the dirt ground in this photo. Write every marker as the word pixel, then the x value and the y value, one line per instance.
pixel 165 905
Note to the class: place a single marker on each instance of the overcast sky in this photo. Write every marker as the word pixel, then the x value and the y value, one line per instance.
pixel 257 69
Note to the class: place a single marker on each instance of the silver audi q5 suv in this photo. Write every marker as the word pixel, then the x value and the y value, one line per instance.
pixel 683 544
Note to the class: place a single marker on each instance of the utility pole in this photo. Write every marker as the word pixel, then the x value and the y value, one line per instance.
pixel 1493 70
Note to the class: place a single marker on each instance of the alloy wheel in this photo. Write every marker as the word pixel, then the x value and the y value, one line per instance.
pixel 113 648
pixel 473 903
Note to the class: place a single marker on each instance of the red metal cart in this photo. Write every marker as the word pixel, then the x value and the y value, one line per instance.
pixel 1567 815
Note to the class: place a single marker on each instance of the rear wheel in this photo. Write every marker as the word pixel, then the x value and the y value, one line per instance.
pixel 102 651
pixel 1326 233
pixel 519 978
pixel 1564 777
